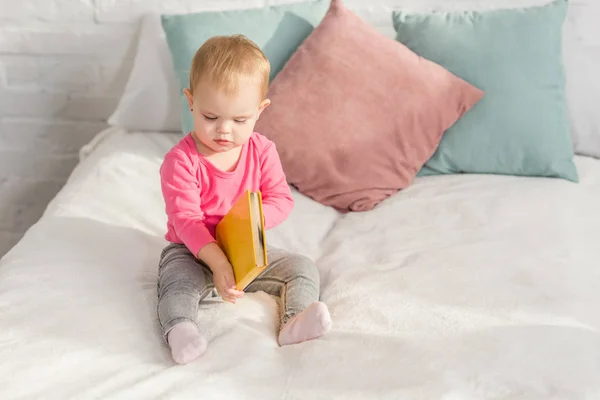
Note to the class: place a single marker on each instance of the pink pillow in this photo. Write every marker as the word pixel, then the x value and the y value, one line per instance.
pixel 356 114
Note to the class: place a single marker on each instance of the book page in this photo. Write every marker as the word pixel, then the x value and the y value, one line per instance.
pixel 257 226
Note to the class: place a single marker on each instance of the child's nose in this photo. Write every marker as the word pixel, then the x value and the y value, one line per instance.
pixel 224 127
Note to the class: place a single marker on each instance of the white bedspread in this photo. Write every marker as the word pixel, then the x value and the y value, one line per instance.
pixel 458 288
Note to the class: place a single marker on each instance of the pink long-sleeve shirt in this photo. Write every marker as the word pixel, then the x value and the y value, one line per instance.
pixel 197 194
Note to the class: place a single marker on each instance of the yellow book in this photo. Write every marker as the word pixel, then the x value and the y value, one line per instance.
pixel 241 236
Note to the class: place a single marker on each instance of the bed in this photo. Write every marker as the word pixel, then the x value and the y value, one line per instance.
pixel 459 287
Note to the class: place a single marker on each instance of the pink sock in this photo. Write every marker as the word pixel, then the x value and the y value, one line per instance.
pixel 310 324
pixel 186 342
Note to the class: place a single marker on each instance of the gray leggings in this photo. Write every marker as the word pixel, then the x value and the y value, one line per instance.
pixel 183 281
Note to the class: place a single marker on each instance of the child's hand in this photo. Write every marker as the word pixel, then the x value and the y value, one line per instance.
pixel 225 283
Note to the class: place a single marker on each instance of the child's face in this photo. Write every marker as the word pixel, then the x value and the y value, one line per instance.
pixel 221 121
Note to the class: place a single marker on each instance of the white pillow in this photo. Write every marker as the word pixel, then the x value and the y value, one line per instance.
pixel 582 58
pixel 151 98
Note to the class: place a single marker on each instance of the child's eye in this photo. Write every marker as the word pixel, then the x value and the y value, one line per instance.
pixel 210 118
pixel 240 121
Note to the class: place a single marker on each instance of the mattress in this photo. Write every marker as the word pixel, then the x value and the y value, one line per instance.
pixel 459 287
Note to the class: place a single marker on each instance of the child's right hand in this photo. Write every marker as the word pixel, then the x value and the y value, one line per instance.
pixel 225 283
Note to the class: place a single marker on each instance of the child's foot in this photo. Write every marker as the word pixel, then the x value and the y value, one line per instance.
pixel 311 323
pixel 186 342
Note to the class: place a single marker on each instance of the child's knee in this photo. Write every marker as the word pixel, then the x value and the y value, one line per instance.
pixel 304 267
pixel 179 287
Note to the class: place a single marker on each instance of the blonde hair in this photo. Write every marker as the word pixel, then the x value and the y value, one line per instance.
pixel 226 60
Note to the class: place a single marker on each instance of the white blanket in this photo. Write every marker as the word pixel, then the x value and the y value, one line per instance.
pixel 459 287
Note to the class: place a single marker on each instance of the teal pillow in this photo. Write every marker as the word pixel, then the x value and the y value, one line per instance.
pixel 277 30
pixel 521 126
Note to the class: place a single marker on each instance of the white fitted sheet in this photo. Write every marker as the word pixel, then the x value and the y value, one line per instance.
pixel 459 287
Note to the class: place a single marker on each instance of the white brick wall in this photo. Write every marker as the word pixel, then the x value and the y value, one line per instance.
pixel 62 70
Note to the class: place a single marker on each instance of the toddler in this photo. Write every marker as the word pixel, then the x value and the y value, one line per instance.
pixel 202 177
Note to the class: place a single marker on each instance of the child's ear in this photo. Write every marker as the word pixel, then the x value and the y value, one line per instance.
pixel 189 97
pixel 263 104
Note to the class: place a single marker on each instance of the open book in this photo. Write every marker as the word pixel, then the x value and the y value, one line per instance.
pixel 241 236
